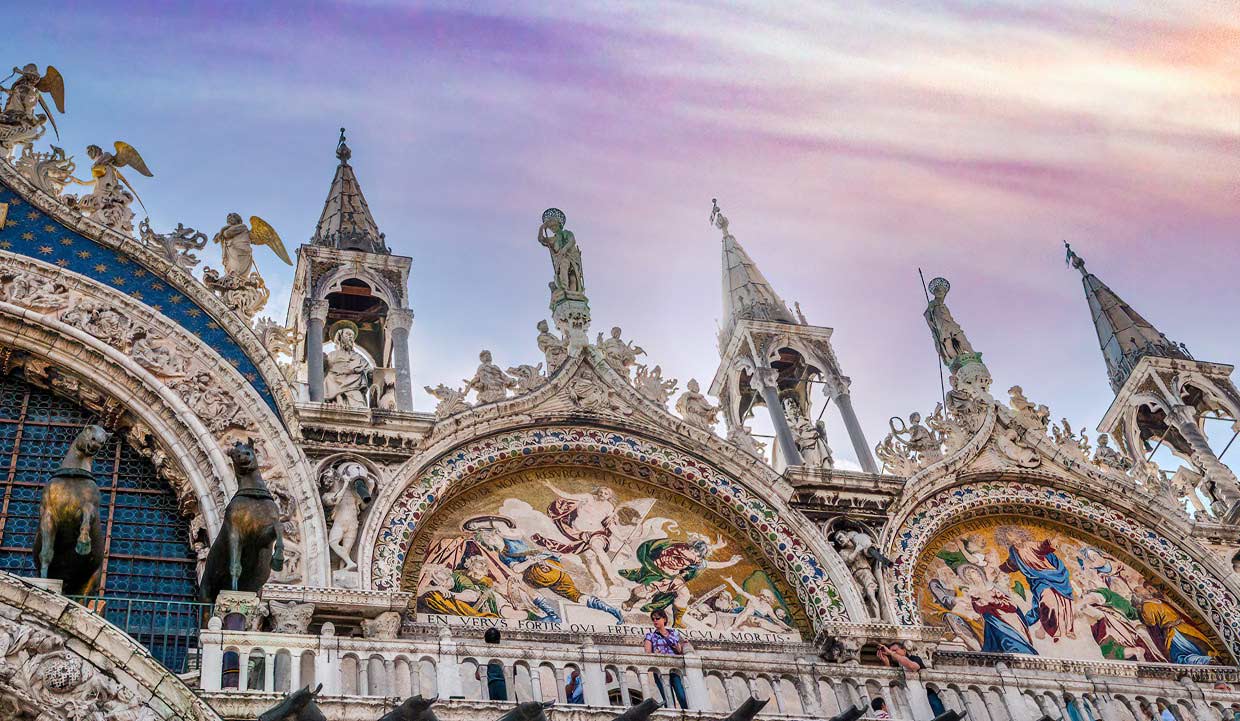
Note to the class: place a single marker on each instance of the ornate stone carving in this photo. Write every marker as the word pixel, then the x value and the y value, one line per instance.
pixel 592 394
pixel 348 375
pixel 490 383
pixel 290 616
pixel 811 439
pixel 218 410
pixel 451 400
pixel 20 123
pixel 29 290
pixel 49 172
pixel 280 342
pixel 241 287
pixel 244 295
pixel 384 626
pixel 553 347
pixel 1010 444
pixel 651 386
pixel 949 338
pixel 741 437
pixel 620 355
pixel 106 323
pixel 109 200
pixel 347 488
pixel 1108 457
pixel 694 407
pixel 910 448
pixel 569 306
pixel 158 355
pixel 528 377
pixel 245 604
pixel 865 562
pixel 177 246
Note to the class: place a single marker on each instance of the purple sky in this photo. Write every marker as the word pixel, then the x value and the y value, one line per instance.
pixel 848 147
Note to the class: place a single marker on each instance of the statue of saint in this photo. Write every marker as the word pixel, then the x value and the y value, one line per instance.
pixel 694 408
pixel 554 348
pixel 954 348
pixel 490 381
pixel 811 439
pixel 565 256
pixel 618 354
pixel 19 121
pixel 347 374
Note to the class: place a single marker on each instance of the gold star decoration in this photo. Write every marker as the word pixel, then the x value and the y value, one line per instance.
pixel 139 272
pixel 32 215
pixel 5 244
pixel 45 249
pixel 117 280
pixel 157 308
pixel 63 262
pixel 136 295
pixel 27 236
pixel 175 298
pixel 193 312
pixel 49 228
pixel 101 268
pixel 66 241
pixel 157 286
pixel 83 254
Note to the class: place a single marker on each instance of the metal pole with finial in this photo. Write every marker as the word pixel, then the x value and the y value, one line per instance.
pixel 935 326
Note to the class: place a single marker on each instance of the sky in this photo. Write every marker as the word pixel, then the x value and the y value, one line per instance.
pixel 849 144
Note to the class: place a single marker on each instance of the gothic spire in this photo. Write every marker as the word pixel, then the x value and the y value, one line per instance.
pixel 1123 335
pixel 747 295
pixel 346 222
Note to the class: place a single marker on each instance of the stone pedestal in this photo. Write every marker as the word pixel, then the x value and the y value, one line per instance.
pixel 571 313
pixel 242 604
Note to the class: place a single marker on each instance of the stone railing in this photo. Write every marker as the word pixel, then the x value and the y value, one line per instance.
pixel 584 674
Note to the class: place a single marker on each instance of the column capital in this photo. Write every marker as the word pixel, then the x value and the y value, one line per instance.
pixel 835 386
pixel 316 310
pixel 399 319
pixel 765 377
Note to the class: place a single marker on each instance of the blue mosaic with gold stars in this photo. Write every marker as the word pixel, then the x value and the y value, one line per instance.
pixel 32 233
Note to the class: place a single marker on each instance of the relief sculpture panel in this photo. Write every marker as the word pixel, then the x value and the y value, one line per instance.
pixel 568 547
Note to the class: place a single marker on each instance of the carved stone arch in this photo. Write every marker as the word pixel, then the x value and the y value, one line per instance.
pixel 789 541
pixel 68 662
pixel 1222 400
pixel 184 448
pixel 1165 551
pixel 380 286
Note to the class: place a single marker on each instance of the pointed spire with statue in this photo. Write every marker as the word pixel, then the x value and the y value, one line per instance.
pixel 770 356
pixel 1163 398
pixel 570 308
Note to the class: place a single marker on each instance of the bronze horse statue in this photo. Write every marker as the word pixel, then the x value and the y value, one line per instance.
pixel 528 711
pixel 748 709
pixel 296 706
pixel 69 544
pixel 249 546
pixel 639 711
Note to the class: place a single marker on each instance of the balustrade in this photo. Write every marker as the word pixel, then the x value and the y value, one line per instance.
pixel 717 680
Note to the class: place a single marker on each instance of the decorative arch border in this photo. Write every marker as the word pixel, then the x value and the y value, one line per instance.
pixel 1195 583
pixel 792 548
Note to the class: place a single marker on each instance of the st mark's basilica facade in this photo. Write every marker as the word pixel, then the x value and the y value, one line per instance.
pixel 163 440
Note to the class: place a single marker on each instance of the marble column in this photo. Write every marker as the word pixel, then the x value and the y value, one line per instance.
pixel 327 661
pixel 212 656
pixel 399 321
pixel 765 379
pixel 838 391
pixel 447 667
pixel 316 323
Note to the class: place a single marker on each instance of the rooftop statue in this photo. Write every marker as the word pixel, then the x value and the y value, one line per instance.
pixel 620 355
pixel 241 287
pixel 20 124
pixel 69 544
pixel 651 386
pixel 553 347
pixel 565 256
pixel 109 200
pixel 949 338
pixel 695 409
pixel 347 374
pixel 490 382
pixel 811 439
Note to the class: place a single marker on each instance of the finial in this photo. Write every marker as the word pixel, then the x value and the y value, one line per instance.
pixel 342 150
pixel 1071 258
pixel 717 218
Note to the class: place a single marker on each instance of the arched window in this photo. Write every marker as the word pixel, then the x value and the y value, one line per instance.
pixel 146 540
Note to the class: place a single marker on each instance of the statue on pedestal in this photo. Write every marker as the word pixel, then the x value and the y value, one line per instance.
pixel 620 355
pixel 569 306
pixel 250 544
pixel 811 439
pixel 241 287
pixel 347 374
pixel 108 202
pixel 949 338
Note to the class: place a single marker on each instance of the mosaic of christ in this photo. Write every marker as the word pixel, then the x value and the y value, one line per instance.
pixel 1006 585
pixel 569 545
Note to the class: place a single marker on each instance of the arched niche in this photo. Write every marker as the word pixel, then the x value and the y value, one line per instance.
pixel 789 544
pixel 928 542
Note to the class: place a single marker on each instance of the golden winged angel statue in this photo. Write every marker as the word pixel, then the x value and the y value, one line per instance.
pixel 106 168
pixel 18 121
pixel 237 241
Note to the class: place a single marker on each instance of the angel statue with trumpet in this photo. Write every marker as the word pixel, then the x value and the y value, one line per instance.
pixel 19 122
pixel 241 287
pixel 108 202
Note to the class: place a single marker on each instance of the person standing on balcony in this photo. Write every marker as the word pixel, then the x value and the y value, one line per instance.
pixel 666 641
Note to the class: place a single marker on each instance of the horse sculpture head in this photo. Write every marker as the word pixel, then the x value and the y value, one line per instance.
pixel 414 708
pixel 297 706
pixel 89 441
pixel 243 457
pixel 528 711
pixel 747 710
pixel 639 711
